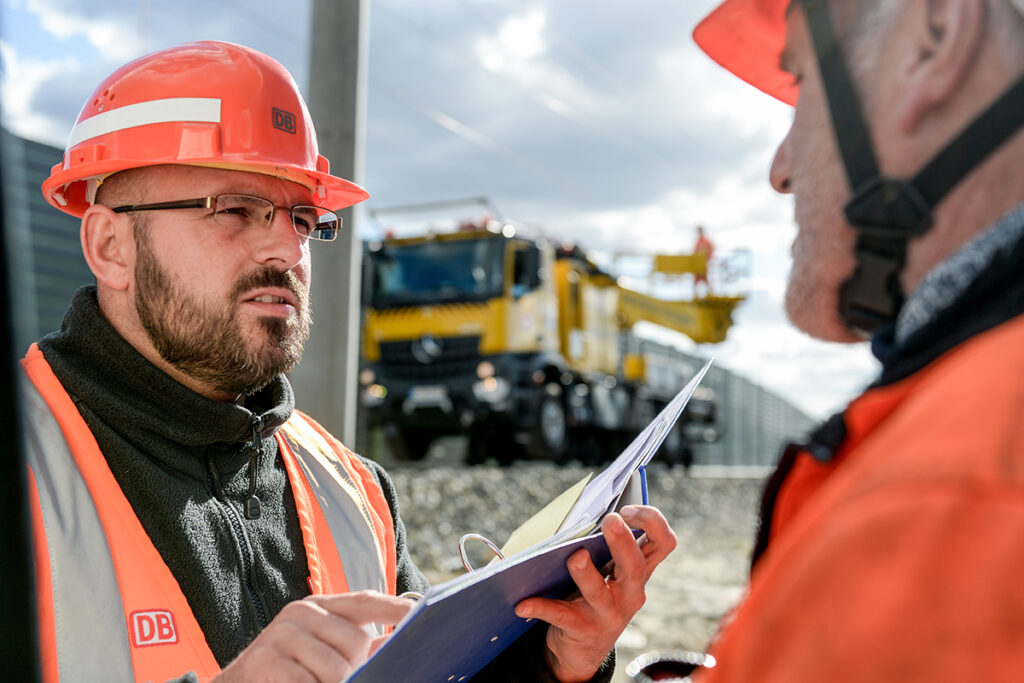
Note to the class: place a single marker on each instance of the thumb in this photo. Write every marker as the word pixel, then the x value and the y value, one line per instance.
pixel 555 612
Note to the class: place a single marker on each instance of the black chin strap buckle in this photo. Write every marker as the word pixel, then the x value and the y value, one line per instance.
pixel 872 297
pixel 886 213
pixel 889 207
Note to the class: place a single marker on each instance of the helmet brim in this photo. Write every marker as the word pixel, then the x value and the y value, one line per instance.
pixel 66 189
pixel 747 38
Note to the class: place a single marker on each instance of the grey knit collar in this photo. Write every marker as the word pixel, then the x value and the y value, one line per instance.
pixel 951 278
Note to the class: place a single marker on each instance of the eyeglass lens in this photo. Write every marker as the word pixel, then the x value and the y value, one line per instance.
pixel 241 211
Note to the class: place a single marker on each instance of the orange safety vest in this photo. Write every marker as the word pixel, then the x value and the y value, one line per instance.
pixel 899 560
pixel 109 607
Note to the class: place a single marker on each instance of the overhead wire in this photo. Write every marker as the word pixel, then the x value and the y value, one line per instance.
pixel 474 136
pixel 549 101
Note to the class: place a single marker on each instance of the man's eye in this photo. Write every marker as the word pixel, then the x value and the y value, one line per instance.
pixel 304 222
pixel 236 216
pixel 234 211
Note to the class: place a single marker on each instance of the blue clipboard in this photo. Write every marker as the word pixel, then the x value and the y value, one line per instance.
pixel 450 636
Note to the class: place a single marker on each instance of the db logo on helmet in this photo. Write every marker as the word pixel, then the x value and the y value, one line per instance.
pixel 153 627
pixel 284 120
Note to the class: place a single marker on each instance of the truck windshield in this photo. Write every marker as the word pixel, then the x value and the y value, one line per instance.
pixel 436 272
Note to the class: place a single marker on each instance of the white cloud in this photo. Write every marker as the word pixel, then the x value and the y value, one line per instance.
pixel 110 36
pixel 19 82
pixel 522 37
pixel 519 40
pixel 819 377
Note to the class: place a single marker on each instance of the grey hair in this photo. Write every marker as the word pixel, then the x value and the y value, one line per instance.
pixel 1007 23
pixel 871 20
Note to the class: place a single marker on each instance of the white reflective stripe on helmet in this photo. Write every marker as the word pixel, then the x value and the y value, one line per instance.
pixel 171 110
pixel 92 637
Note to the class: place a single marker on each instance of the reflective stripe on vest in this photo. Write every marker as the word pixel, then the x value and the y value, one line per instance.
pixel 354 520
pixel 110 609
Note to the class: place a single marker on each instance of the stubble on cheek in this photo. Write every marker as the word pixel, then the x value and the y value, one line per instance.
pixel 822 262
pixel 208 340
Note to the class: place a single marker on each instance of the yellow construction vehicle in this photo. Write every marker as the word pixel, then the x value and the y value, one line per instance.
pixel 524 345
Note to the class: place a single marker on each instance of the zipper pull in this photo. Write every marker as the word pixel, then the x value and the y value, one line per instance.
pixel 257 433
pixel 252 503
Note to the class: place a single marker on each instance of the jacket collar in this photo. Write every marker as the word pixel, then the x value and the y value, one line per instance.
pixel 975 289
pixel 114 383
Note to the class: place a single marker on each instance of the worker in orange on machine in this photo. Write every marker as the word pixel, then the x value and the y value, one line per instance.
pixel 703 246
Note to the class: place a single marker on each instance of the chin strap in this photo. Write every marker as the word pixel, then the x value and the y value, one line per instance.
pixel 887 212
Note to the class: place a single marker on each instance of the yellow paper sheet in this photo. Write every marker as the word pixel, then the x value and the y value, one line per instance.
pixel 545 523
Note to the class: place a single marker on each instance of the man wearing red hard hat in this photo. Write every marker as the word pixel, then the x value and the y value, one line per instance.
pixel 891 540
pixel 189 523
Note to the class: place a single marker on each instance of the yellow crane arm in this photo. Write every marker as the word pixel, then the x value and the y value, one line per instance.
pixel 705 320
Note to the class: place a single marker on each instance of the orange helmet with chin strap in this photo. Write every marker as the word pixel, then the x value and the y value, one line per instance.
pixel 207 104
pixel 748 37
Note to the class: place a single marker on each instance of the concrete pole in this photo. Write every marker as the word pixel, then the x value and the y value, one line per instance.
pixel 326 380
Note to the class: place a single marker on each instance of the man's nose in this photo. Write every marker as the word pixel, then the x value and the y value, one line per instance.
pixel 279 242
pixel 779 175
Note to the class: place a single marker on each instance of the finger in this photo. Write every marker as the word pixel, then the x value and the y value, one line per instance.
pixel 661 539
pixel 565 613
pixel 629 562
pixel 323 661
pixel 344 636
pixel 560 613
pixel 365 607
pixel 589 580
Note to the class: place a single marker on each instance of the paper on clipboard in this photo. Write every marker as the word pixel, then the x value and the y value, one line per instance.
pixel 602 494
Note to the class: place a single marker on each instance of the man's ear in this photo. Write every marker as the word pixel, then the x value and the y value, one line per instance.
pixel 108 244
pixel 947 37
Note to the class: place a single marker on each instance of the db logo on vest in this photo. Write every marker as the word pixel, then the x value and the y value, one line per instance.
pixel 153 627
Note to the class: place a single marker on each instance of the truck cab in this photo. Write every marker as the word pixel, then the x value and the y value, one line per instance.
pixel 456 326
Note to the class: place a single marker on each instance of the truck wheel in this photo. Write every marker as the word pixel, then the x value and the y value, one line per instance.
pixel 550 436
pixel 409 444
pixel 491 442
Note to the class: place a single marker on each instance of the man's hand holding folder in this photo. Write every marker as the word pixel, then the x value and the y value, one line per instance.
pixel 583 630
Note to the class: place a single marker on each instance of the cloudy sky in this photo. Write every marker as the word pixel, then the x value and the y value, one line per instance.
pixel 594 121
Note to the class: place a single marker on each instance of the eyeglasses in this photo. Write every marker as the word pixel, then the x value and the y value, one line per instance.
pixel 242 211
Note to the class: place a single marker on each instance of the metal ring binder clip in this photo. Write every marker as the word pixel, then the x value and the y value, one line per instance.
pixel 482 539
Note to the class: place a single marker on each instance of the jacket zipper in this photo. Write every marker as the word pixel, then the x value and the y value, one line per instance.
pixel 235 520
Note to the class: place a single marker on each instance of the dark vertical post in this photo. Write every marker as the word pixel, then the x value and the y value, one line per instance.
pixel 18 647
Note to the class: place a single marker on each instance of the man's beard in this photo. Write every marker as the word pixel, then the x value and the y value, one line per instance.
pixel 205 341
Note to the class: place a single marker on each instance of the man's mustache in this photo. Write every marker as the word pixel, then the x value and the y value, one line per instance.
pixel 270 277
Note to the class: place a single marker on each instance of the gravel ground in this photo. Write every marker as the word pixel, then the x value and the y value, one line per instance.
pixel 713 516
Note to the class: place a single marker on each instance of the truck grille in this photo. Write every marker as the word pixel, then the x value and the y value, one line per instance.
pixel 458 357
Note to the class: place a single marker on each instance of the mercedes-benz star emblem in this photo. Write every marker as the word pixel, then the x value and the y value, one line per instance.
pixel 427 349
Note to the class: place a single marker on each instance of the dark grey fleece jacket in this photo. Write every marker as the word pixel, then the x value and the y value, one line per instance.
pixel 183 462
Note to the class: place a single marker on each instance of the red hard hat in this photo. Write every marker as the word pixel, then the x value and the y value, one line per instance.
pixel 747 37
pixel 207 104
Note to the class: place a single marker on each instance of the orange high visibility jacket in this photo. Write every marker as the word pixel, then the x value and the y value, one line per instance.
pixel 109 607
pixel 901 559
